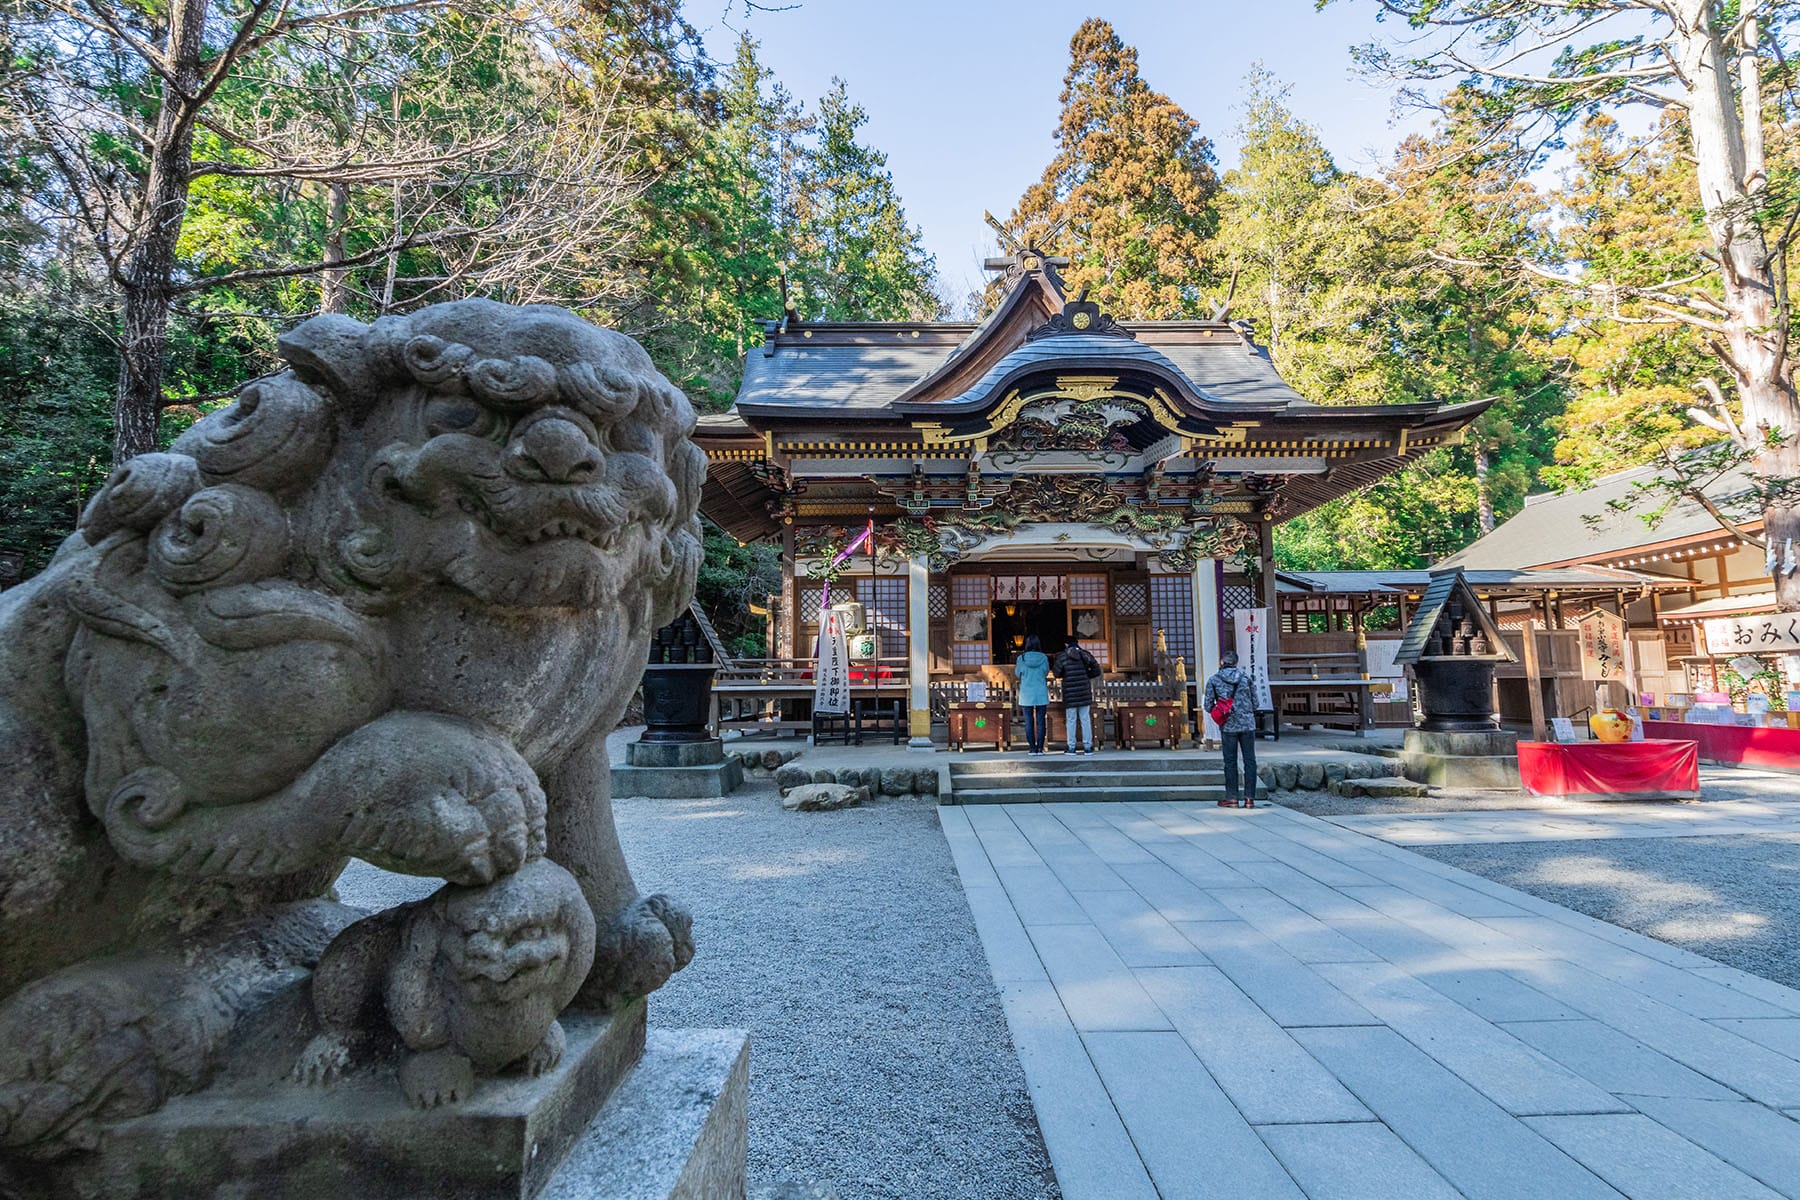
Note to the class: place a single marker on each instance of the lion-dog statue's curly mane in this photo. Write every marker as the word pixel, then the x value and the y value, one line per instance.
pixel 387 605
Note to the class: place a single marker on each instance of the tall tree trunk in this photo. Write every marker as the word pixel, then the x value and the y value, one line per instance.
pixel 1755 333
pixel 334 281
pixel 146 284
pixel 1484 499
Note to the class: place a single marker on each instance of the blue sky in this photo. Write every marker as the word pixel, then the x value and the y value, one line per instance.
pixel 962 96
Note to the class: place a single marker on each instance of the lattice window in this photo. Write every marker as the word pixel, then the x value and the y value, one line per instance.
pixel 971 654
pixel 973 591
pixel 884 607
pixel 939 599
pixel 1234 596
pixel 1090 617
pixel 1087 590
pixel 1131 599
pixel 1172 611
pixel 810 598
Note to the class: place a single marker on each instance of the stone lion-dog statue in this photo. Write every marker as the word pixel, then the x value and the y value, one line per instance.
pixel 386 605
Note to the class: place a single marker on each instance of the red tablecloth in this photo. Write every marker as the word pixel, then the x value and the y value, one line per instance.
pixel 1655 767
pixel 1736 745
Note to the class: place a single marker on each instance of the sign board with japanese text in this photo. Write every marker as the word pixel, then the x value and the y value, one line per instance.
pixel 831 687
pixel 1602 646
pixel 1763 633
pixel 1253 653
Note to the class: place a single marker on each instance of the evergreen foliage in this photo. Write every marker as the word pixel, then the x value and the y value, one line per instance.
pixel 1131 196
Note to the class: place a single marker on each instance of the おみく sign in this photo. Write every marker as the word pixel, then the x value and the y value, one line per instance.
pixel 1776 632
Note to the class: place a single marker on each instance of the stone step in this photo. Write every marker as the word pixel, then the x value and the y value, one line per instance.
pixel 1090 776
pixel 1118 764
pixel 1378 788
pixel 1088 795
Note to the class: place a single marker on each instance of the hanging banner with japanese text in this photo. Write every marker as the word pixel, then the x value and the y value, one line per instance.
pixel 1253 652
pixel 1776 633
pixel 1602 646
pixel 831 688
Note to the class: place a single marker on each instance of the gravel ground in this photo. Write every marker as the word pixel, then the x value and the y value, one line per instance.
pixel 880 1060
pixel 880 1064
pixel 1733 899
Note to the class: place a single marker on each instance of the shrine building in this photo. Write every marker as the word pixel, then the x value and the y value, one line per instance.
pixel 1048 471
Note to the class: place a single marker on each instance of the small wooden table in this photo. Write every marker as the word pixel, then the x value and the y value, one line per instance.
pixel 984 722
pixel 1149 721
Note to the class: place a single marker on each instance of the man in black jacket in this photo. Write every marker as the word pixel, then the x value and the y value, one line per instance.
pixel 1078 669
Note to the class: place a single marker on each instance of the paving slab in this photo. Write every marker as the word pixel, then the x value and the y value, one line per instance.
pixel 1039 896
pixel 1474 1143
pixel 1299 933
pixel 1646 1161
pixel 1095 986
pixel 1194 1143
pixel 1288 990
pixel 1781 1035
pixel 1138 934
pixel 1487 991
pixel 1093 1156
pixel 1267 1074
pixel 1758 1141
pixel 1011 956
pixel 1672 985
pixel 1260 1003
pixel 1617 1063
pixel 1485 1056
pixel 1354 1162
pixel 1172 894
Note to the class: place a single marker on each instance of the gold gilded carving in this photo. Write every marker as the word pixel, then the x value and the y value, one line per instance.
pixel 1086 387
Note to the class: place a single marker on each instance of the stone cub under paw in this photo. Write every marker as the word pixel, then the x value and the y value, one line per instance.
pixel 471 979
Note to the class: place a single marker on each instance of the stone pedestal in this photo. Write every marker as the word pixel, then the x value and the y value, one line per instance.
pixel 359 1137
pixel 614 1119
pixel 677 1128
pixel 1483 759
pixel 677 771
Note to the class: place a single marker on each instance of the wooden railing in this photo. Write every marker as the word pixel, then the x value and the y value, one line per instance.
pixel 751 694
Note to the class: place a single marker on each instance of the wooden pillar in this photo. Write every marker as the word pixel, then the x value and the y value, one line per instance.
pixel 1271 594
pixel 788 645
pixel 918 645
pixel 1207 644
pixel 1365 707
pixel 1534 678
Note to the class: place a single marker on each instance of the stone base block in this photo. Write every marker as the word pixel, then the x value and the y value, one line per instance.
pixel 675 754
pixel 677 1128
pixel 677 771
pixel 1480 760
pixel 359 1137
pixel 1462 744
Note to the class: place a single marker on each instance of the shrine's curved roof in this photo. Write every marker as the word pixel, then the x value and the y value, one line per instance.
pixel 865 371
pixel 1226 372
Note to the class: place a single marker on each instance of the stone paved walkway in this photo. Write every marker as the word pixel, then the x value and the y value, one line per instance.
pixel 1251 1004
pixel 1582 822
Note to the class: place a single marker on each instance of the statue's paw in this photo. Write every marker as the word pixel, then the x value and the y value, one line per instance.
pixel 326 1058
pixel 485 821
pixel 436 1078
pixel 76 1054
pixel 636 952
pixel 545 1056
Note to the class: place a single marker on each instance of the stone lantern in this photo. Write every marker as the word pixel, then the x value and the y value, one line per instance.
pixel 1453 646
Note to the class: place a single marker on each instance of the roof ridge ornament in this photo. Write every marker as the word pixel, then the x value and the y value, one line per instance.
pixel 1080 316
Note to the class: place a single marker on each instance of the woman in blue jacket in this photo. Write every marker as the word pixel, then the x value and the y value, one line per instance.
pixel 1033 671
